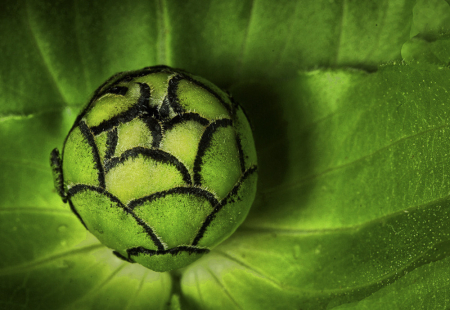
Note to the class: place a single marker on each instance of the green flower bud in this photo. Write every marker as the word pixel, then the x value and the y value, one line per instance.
pixel 160 166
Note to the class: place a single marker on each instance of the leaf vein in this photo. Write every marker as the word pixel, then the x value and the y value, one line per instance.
pixel 27 267
pixel 41 53
pixel 299 183
pixel 245 41
pixel 223 288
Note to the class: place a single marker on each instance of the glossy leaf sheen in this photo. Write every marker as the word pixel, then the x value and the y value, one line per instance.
pixel 353 197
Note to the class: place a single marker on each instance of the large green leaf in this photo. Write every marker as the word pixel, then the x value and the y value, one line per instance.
pixel 350 109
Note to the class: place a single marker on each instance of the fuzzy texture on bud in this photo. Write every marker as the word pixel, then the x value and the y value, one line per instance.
pixel 160 166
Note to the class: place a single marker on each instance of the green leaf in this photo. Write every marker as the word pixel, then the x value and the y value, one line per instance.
pixel 429 282
pixel 364 201
pixel 231 41
pixel 352 143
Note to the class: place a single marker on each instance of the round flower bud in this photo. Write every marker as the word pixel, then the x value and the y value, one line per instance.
pixel 160 166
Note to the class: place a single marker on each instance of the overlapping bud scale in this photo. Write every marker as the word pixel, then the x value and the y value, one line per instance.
pixel 160 166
